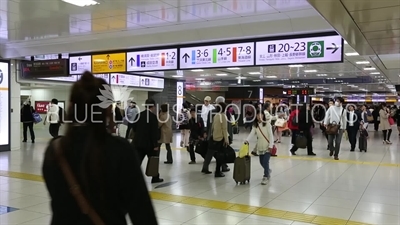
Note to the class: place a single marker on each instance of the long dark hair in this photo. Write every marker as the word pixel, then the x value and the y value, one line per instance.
pixel 263 119
pixel 85 113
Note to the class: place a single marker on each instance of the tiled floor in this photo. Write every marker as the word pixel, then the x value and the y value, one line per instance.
pixel 360 187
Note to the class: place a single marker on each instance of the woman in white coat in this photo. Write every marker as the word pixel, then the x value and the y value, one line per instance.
pixel 262 129
pixel 386 128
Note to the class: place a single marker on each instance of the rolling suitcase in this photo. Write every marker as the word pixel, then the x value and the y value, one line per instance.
pixel 241 170
pixel 235 129
pixel 362 143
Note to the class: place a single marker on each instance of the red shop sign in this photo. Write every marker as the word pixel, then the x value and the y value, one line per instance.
pixel 41 106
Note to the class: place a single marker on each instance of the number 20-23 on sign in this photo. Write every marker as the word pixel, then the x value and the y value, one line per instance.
pixel 214 56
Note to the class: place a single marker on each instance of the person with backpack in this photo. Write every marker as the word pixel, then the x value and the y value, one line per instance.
pixel 183 125
pixel 28 121
pixel 54 117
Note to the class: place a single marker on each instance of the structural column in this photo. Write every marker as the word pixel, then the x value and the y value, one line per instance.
pixel 15 91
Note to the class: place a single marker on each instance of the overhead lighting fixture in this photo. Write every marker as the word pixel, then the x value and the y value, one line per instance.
pixel 197 70
pixel 375 73
pixel 362 62
pixel 233 68
pixel 271 76
pixel 81 3
pixel 310 71
pixel 256 80
pixel 254 73
pixel 241 78
pixel 221 74
pixel 322 75
pixel 345 42
pixel 351 54
pixel 369 68
pixel 294 66
pixel 199 79
pixel 149 73
pixel 176 76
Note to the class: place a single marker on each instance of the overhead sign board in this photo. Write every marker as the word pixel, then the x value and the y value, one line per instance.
pixel 300 50
pixel 125 80
pixel 72 78
pixel 215 56
pixel 80 64
pixel 45 68
pixel 152 60
pixel 151 82
pixel 4 107
pixel 109 63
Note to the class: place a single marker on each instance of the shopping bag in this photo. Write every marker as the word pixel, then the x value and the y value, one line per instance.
pixel 244 151
pixel 36 117
pixel 346 136
pixel 152 166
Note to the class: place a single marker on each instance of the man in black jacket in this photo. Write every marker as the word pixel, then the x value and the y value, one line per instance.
pixel 146 134
pixel 210 153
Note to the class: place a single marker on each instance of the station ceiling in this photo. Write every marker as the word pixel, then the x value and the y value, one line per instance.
pixel 50 27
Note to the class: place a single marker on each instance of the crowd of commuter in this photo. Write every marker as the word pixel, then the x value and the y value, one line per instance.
pixel 103 168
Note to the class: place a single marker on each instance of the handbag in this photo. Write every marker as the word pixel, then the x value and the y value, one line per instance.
pixel 391 121
pixel 280 122
pixel 333 128
pixel 75 188
pixel 301 141
pixel 227 154
pixel 274 149
pixel 152 166
pixel 201 148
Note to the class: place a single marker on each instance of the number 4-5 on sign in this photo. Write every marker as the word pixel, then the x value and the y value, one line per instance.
pixel 250 93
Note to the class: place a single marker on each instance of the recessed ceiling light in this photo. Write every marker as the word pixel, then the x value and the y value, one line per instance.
pixel 296 65
pixel 271 76
pixel 177 76
pixel 256 80
pixel 375 73
pixel 322 75
pixel 241 78
pixel 310 71
pixel 199 79
pixel 362 62
pixel 351 54
pixel 205 75
pixel 369 68
pixel 254 73
pixel 197 70
pixel 233 68
pixel 149 73
pixel 81 3
pixel 221 74
pixel 345 42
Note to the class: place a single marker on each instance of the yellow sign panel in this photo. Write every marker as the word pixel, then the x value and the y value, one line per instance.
pixel 109 63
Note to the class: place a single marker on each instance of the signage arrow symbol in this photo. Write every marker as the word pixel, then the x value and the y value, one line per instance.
pixel 108 57
pixel 334 48
pixel 131 60
pixel 185 57
pixel 79 58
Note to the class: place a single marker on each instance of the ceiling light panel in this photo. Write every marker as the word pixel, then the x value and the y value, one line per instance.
pixel 81 3
pixel 233 68
pixel 197 70
pixel 254 73
pixel 351 54
pixel 221 74
pixel 310 71
pixel 369 68
pixel 362 62
pixel 295 66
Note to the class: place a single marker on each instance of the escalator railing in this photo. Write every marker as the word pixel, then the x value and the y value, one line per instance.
pixel 193 97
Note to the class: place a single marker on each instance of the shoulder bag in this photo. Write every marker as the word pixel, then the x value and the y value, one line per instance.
pixel 74 186
pixel 333 128
pixel 274 149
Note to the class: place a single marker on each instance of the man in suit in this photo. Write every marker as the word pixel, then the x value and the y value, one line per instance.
pixel 146 134
pixel 353 125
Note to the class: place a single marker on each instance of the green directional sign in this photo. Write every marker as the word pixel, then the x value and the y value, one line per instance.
pixel 315 49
